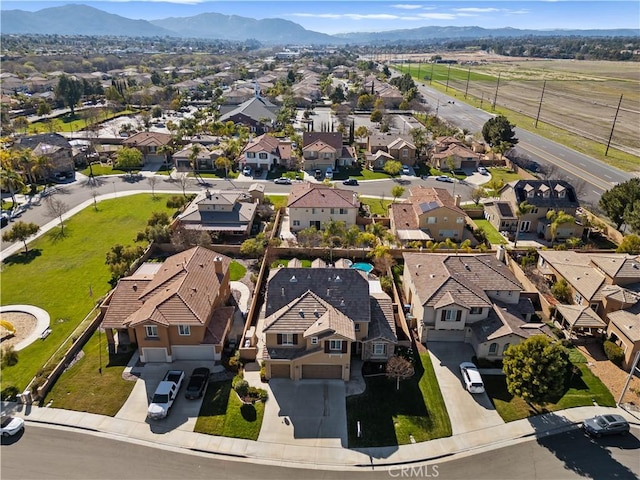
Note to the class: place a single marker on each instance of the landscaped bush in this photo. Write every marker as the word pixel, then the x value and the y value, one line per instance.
pixel 9 357
pixel 234 362
pixel 242 388
pixel 263 374
pixel 9 393
pixel 613 352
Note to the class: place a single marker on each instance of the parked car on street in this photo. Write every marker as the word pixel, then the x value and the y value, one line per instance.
pixel 11 425
pixel 198 382
pixel 444 178
pixel 609 424
pixel 471 378
pixel 350 181
pixel 282 181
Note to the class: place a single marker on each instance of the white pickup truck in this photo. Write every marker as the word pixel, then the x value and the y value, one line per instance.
pixel 165 394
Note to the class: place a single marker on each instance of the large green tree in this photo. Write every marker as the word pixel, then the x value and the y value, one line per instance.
pixel 630 244
pixel 392 167
pixel 129 158
pixel 536 369
pixel 70 91
pixel 622 204
pixel 499 133
pixel 20 232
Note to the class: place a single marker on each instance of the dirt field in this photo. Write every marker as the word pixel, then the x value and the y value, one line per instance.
pixel 579 96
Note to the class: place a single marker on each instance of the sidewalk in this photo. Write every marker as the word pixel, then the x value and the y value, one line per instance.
pixel 321 457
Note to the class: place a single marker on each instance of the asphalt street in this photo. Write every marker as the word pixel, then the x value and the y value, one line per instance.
pixel 60 453
pixel 576 166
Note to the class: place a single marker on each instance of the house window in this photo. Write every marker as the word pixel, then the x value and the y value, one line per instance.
pixel 476 310
pixel 333 211
pixel 296 223
pixel 534 210
pixel 405 153
pixel 335 345
pixel 262 155
pixel 445 219
pixel 460 220
pixel 313 211
pixel 343 211
pixel 561 193
pixel 379 348
pixel 577 298
pixel 493 348
pixel 314 340
pixel 251 155
pixel 326 155
pixel 504 349
pixel 357 327
pixel 451 316
pixel 151 331
pixel 184 330
pixel 287 339
pixel 431 220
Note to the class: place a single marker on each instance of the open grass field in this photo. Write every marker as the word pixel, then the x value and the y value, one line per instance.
pixel 67 275
pixel 81 120
pixel 580 100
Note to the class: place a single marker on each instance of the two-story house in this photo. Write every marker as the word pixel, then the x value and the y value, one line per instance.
pixel 322 150
pixel 446 150
pixel 316 319
pixel 427 214
pixel 174 310
pixel 387 146
pixel 257 113
pixel 149 143
pixel 196 156
pixel 472 298
pixel 313 205
pixel 542 196
pixel 56 148
pixel 265 152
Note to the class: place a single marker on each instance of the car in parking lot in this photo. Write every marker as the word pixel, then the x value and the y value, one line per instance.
pixel 609 424
pixel 282 181
pixel 246 171
pixel 482 170
pixel 444 178
pixel 350 181
pixel 198 382
pixel 471 377
pixel 9 425
pixel 406 170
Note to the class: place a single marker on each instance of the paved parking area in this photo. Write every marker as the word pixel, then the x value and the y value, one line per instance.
pixel 307 412
pixel 467 412
pixel 184 413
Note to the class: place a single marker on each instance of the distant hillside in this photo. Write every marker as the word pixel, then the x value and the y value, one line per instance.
pixel 236 28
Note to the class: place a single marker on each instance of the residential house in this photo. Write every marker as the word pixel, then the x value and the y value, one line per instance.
pixel 322 150
pixel 204 158
pixel 395 146
pixel 174 310
pixel 227 212
pixel 427 214
pixel 450 149
pixel 150 144
pixel 472 298
pixel 543 196
pixel 55 148
pixel 265 152
pixel 316 319
pixel 313 205
pixel 624 331
pixel 257 113
pixel 600 283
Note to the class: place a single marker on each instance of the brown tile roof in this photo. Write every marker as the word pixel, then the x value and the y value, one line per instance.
pixel 382 325
pixel 124 301
pixel 310 195
pixel 404 216
pixel 263 143
pixel 580 316
pixel 458 151
pixel 627 322
pixel 505 319
pixel 219 325
pixel 146 139
pixel 619 265
pixel 334 139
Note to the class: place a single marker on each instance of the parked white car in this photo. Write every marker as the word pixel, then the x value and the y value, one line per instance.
pixel 482 170
pixel 471 378
pixel 11 425
pixel 329 173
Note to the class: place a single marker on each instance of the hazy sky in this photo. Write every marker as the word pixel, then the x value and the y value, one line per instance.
pixel 333 16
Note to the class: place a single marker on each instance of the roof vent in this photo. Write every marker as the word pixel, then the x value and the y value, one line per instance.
pixel 328 292
pixel 338 279
pixel 433 275
pixel 467 267
pixel 342 304
pixel 135 287
pixel 315 312
pixel 301 312
pixel 293 279
pixel 282 291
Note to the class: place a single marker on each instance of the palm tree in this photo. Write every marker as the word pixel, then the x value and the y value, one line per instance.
pixel 41 167
pixel 193 157
pixel 12 181
pixel 166 150
pixel 523 208
pixel 557 217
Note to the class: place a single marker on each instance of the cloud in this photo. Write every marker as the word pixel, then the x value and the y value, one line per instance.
pixel 405 6
pixel 437 16
pixel 477 9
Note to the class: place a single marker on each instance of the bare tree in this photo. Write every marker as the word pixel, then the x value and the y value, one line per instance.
pixel 153 181
pixel 183 181
pixel 400 369
pixel 57 208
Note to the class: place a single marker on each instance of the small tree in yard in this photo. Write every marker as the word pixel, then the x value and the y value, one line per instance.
pixel 128 159
pixel 478 194
pixel 397 191
pixel 153 181
pixel 400 369
pixel 536 370
pixel 57 208
pixel 392 167
pixel 561 291
pixel 20 232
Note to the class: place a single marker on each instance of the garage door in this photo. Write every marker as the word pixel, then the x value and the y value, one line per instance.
pixel 193 352
pixel 322 371
pixel 280 371
pixel 445 335
pixel 154 354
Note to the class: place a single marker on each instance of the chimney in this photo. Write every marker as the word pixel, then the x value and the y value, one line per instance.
pixel 457 200
pixel 208 194
pixel 217 262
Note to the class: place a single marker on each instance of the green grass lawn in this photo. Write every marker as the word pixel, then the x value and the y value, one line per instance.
pixel 236 271
pixel 69 123
pixel 390 417
pixel 492 234
pixel 105 170
pixel 223 414
pixel 378 206
pixel 285 261
pixel 439 72
pixel 503 174
pixel 58 272
pixel 83 388
pixel 278 200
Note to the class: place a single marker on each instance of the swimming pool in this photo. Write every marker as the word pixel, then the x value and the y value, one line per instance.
pixel 362 266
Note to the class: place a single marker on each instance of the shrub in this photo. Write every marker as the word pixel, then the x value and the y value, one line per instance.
pixel 263 374
pixel 263 395
pixel 242 388
pixel 236 379
pixel 9 393
pixel 9 357
pixel 234 362
pixel 613 352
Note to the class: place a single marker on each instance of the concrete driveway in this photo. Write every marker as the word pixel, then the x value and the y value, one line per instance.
pixel 467 412
pixel 183 414
pixel 307 412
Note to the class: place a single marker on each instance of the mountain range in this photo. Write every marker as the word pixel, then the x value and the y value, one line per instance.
pixel 86 20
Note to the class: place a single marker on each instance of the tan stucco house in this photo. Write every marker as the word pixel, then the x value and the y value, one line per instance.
pixel 316 319
pixel 149 143
pixel 313 205
pixel 265 152
pixel 472 298
pixel 395 146
pixel 322 150
pixel 445 148
pixel 175 310
pixel 624 330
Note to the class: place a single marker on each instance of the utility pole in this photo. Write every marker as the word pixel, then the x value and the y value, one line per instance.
pixel 437 107
pixel 540 106
pixel 481 100
pixel 448 72
pixel 419 65
pixel 431 76
pixel 613 126
pixel 467 87
pixel 495 98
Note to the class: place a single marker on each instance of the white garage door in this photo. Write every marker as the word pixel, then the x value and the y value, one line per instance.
pixel 154 354
pixel 193 352
pixel 445 335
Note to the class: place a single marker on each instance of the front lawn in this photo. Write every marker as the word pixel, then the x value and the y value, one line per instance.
pixel 278 200
pixel 94 384
pixel 492 234
pixel 98 170
pixel 285 261
pixel 391 417
pixel 378 206
pixel 502 174
pixel 223 414
pixel 236 271
pixel 67 275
